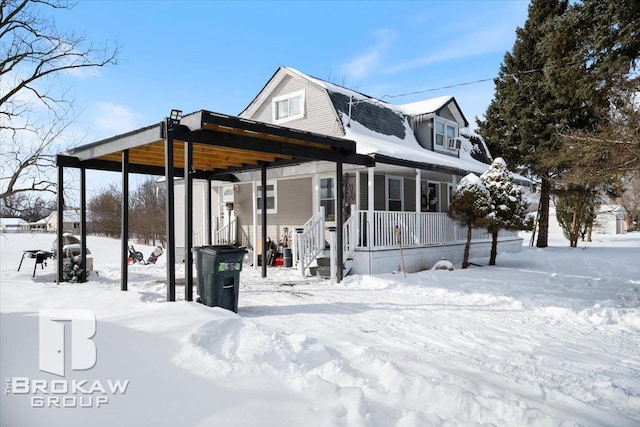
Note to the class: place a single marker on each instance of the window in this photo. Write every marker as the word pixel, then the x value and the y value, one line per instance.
pixel 271 197
pixel 445 133
pixel 328 198
pixel 288 107
pixel 394 193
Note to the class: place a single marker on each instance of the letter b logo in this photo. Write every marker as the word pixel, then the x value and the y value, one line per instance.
pixel 51 340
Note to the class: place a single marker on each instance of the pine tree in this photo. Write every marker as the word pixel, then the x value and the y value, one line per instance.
pixel 508 206
pixel 470 206
pixel 575 211
pixel 522 120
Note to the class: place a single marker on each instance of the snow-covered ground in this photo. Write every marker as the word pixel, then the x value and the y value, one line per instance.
pixel 547 337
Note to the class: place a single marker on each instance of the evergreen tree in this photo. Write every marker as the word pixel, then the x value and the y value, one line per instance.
pixel 575 211
pixel 508 207
pixel 522 120
pixel 470 206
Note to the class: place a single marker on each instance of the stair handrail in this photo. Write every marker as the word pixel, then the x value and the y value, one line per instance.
pixel 350 230
pixel 310 240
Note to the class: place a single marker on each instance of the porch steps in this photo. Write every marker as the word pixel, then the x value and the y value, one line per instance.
pixel 323 269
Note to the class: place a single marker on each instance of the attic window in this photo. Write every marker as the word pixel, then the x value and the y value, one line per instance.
pixel 445 133
pixel 288 107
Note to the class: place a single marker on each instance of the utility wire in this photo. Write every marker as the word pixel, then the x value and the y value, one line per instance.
pixel 535 70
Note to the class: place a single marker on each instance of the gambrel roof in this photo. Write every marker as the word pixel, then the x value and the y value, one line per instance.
pixel 383 130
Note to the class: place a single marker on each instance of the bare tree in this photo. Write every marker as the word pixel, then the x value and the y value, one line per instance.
pixel 35 108
pixel 106 212
pixel 148 212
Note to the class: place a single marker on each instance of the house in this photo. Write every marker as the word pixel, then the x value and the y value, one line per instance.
pixel 12 225
pixel 420 152
pixel 39 226
pixel 610 219
pixel 70 220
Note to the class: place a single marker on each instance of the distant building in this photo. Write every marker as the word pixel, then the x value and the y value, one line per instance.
pixel 70 221
pixel 12 225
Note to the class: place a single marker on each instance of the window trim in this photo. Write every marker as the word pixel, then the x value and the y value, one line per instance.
pixel 386 192
pixel 288 97
pixel 335 194
pixel 275 197
pixel 445 147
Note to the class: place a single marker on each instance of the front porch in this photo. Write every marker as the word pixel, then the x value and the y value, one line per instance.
pixel 424 238
pixel 382 241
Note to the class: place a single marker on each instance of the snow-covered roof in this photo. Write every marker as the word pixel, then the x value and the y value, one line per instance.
pixel 424 107
pixel 370 142
pixel 12 222
pixel 380 128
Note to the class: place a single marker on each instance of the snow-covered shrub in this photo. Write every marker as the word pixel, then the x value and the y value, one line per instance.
pixel 508 205
pixel 470 207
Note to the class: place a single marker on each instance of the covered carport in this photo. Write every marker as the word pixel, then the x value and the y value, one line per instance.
pixel 202 145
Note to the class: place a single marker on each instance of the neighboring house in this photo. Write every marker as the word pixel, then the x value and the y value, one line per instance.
pixel 70 221
pixel 421 152
pixel 39 226
pixel 13 225
pixel 610 219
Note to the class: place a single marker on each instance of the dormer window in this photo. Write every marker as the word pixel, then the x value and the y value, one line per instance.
pixel 288 107
pixel 445 135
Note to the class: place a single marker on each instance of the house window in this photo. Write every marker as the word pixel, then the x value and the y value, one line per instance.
pixel 429 199
pixel 272 192
pixel 446 133
pixel 328 198
pixel 394 193
pixel 288 107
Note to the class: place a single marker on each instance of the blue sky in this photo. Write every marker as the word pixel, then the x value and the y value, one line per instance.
pixel 217 55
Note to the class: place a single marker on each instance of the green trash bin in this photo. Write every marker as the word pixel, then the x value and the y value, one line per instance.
pixel 219 270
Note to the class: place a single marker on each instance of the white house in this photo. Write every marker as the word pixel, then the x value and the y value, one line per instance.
pixel 12 225
pixel 421 151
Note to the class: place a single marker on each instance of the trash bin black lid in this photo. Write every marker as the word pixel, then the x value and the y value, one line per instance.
pixel 220 249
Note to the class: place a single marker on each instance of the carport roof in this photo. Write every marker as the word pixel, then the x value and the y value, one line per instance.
pixel 222 144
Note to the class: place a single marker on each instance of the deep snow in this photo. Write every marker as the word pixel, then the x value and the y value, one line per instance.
pixel 547 337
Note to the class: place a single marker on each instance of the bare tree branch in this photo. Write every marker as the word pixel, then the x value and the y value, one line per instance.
pixel 32 50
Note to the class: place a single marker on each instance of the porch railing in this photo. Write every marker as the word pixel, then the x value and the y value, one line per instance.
pixel 199 237
pixel 423 228
pixel 225 235
pixel 310 242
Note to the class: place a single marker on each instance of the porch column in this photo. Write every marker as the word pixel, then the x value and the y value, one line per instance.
pixel 418 205
pixel 370 201
pixel 188 222
pixel 263 194
pixel 83 224
pixel 254 194
pixel 339 216
pixel 208 217
pixel 60 224
pixel 170 214
pixel 124 223
pixel 358 190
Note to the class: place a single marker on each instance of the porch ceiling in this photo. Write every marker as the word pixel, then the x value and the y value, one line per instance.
pixel 221 144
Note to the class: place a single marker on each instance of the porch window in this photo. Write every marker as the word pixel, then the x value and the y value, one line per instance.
pixel 445 132
pixel 288 107
pixel 272 192
pixel 328 198
pixel 394 193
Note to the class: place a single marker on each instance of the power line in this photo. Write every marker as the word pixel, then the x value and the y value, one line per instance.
pixel 481 80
